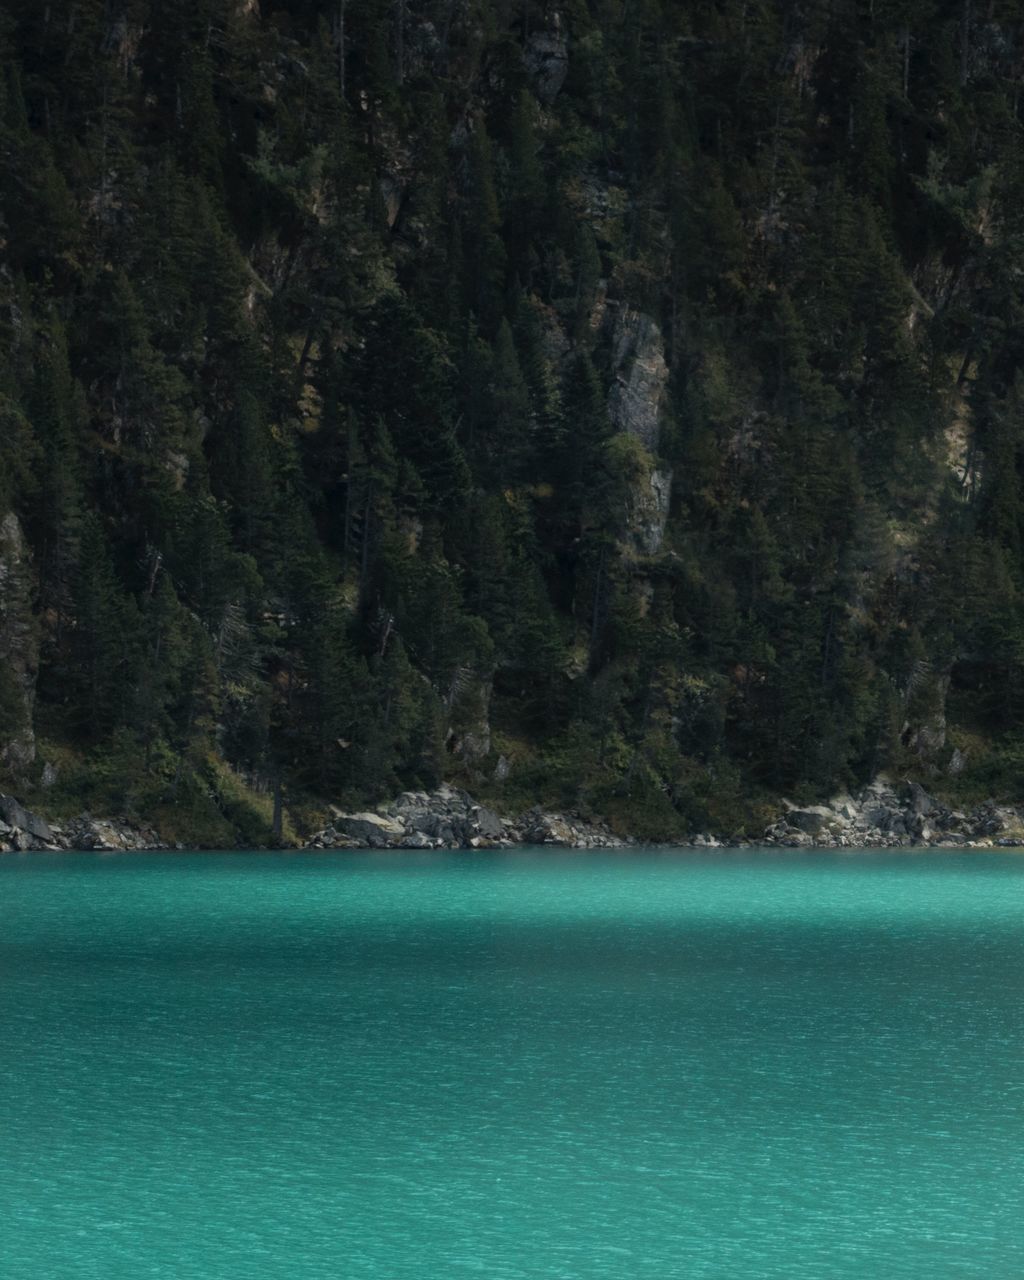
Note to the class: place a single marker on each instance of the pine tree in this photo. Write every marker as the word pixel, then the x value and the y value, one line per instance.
pixel 484 247
pixel 60 414
pixel 103 646
pixel 510 428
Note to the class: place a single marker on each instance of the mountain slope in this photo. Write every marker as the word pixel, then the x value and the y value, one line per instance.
pixel 613 403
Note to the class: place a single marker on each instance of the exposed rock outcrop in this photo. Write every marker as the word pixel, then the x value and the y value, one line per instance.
pixel 547 60
pixel 449 818
pixel 20 819
pixel 882 815
pixel 21 830
pixel 368 829
pixel 885 815
pixel 470 735
pixel 641 376
pixel 648 515
pixel 108 834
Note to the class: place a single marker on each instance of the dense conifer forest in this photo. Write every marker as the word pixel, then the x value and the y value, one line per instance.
pixel 615 403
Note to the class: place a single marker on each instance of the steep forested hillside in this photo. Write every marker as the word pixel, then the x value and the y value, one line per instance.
pixel 615 402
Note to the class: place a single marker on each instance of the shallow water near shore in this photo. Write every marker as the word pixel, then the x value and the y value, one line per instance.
pixel 518 1064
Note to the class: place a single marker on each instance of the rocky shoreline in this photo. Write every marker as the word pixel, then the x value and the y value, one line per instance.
pixel 888 816
pixel 22 830
pixel 881 816
pixel 884 815
pixel 449 818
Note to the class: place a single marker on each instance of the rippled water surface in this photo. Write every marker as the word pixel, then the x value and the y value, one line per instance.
pixel 217 1067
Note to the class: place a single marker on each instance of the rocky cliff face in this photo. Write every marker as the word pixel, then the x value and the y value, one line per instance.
pixel 637 396
pixel 546 58
pixel 636 402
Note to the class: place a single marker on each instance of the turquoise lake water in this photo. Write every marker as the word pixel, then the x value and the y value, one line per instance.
pixel 511 1065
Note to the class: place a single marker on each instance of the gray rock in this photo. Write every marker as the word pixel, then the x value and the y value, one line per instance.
pixel 435 825
pixel 920 801
pixel 473 746
pixel 107 834
pixel 409 802
pixel 549 828
pixel 878 815
pixel 649 508
pixel 13 813
pixel 471 708
pixel 371 829
pixel 641 377
pixel 416 840
pixel 487 823
pixel 811 820
pixel 845 806
pixel 929 737
pixel 547 62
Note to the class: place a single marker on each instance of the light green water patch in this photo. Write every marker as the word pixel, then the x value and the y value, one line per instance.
pixel 524 1064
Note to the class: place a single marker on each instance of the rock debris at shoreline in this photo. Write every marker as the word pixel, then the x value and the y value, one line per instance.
pixel 883 815
pixel 22 830
pixel 449 818
pixel 889 816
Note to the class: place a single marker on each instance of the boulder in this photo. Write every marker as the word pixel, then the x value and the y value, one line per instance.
pixel 879 815
pixel 549 828
pixel 845 806
pixel 416 840
pixel 437 826
pixel 487 823
pixel 811 820
pixel 409 801
pixel 454 798
pixel 21 819
pixel 371 829
pixel 919 799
